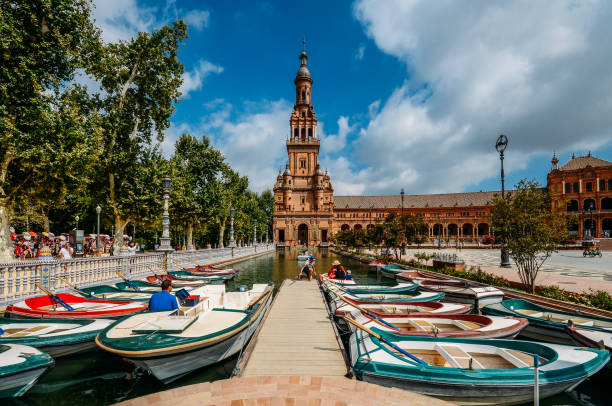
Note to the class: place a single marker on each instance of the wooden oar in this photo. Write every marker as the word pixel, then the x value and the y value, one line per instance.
pixel 74 288
pixel 156 275
pixel 54 297
pixel 384 340
pixel 345 300
pixel 128 282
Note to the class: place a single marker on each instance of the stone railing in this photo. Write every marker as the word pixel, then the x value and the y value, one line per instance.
pixel 18 280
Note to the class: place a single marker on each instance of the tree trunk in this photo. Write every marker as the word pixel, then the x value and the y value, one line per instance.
pixel 6 245
pixel 221 232
pixel 46 225
pixel 190 236
pixel 120 225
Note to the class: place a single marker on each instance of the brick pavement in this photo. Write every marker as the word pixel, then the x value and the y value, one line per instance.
pixel 285 390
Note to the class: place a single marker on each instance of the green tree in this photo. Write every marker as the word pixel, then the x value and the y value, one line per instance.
pixel 42 141
pixel 530 227
pixel 139 81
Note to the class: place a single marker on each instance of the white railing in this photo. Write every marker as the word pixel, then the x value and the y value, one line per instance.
pixel 18 280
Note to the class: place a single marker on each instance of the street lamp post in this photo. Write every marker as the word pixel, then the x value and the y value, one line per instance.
pixel 255 233
pixel 98 211
pixel 77 224
pixel 165 238
pixel 402 194
pixel 591 207
pixel 231 243
pixel 500 146
pixel 439 236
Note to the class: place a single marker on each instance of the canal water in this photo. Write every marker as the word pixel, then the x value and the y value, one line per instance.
pixel 98 378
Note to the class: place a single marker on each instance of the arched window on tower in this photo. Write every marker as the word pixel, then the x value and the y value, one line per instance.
pixel 310 134
pixel 296 134
pixel 303 96
pixel 303 135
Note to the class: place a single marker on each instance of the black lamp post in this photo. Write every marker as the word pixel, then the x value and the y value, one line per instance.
pixel 402 194
pixel 500 146
pixel 439 236
pixel 590 229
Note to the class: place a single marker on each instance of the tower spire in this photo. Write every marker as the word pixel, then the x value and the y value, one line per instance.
pixel 303 44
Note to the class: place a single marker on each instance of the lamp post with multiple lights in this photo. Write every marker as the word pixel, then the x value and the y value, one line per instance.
pixel 164 244
pixel 232 244
pixel 98 211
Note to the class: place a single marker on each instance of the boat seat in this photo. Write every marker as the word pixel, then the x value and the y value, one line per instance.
pixel 532 313
pixel 467 325
pixel 457 357
pixel 518 358
pixel 421 325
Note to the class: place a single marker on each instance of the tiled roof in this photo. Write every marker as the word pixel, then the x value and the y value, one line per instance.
pixel 449 200
pixel 582 162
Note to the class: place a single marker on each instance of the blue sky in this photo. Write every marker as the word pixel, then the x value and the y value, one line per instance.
pixel 408 94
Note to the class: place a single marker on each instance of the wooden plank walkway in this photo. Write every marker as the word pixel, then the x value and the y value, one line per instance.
pixel 297 337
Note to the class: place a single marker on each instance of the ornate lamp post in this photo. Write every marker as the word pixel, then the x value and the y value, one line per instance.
pixel 439 236
pixel 231 243
pixel 402 194
pixel 255 233
pixel 98 211
pixel 500 146
pixel 165 245
pixel 77 224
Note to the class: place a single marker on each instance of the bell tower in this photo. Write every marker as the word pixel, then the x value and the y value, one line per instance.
pixel 303 194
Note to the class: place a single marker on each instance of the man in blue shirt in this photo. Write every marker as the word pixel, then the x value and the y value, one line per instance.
pixel 163 301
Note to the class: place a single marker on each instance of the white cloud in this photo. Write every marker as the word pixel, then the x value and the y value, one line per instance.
pixel 122 19
pixel 197 19
pixel 360 52
pixel 193 80
pixel 536 71
pixel 252 140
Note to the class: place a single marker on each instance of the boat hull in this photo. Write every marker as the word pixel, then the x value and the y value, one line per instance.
pixel 170 367
pixel 479 394
pixel 15 385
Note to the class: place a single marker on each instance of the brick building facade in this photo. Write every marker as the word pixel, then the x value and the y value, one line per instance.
pixel 307 212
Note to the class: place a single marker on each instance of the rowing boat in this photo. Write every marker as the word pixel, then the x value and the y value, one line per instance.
pixel 409 296
pixel 546 324
pixel 378 264
pixel 396 309
pixel 464 292
pixel 82 308
pixel 185 275
pixel 325 277
pixel 436 325
pixel 400 288
pixel 390 271
pixel 591 338
pixel 109 292
pixel 176 282
pixel 471 371
pixel 20 368
pixel 418 277
pixel 198 271
pixel 56 337
pixel 172 344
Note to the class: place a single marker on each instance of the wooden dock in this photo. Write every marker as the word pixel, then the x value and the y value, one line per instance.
pixel 297 336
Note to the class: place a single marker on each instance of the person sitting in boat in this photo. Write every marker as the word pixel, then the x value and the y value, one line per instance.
pixel 332 271
pixel 339 272
pixel 348 275
pixel 163 301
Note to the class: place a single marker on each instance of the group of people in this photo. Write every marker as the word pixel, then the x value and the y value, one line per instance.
pixel 335 272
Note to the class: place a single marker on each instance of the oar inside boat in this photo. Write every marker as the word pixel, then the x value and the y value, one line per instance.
pixel 128 282
pixel 55 298
pixel 384 340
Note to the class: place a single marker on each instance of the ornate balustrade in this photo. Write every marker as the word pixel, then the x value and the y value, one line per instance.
pixel 18 280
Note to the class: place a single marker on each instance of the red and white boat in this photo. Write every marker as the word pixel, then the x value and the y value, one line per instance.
pixel 377 263
pixel 210 272
pixel 214 268
pixel 325 277
pixel 596 338
pixel 176 282
pixel 396 309
pixel 448 325
pixel 48 307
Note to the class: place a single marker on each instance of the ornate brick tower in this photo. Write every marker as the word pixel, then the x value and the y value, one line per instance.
pixel 303 194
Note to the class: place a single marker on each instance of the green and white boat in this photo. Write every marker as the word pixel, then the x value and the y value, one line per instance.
pixel 56 337
pixel 399 288
pixel 172 344
pixel 409 296
pixel 472 371
pixel 389 271
pixel 109 292
pixel 546 324
pixel 20 368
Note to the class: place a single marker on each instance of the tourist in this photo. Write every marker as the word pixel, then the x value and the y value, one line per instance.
pixel 163 301
pixel 336 266
pixel 66 252
pixel 349 276
pixel 340 273
pixel 132 248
